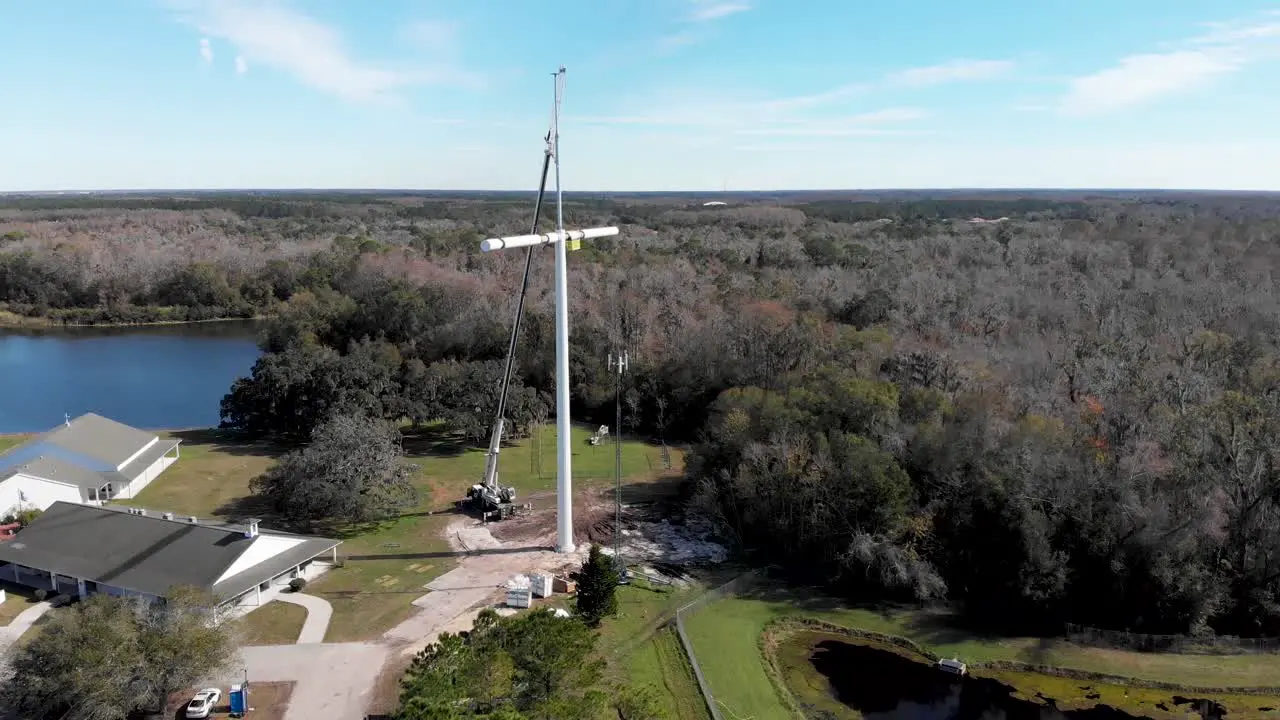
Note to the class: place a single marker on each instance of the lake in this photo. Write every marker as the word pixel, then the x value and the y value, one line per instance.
pixel 880 685
pixel 158 376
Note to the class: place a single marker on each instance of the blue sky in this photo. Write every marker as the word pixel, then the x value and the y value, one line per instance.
pixel 661 94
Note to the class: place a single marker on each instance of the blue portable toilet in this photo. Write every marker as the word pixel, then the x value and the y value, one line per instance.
pixel 239 699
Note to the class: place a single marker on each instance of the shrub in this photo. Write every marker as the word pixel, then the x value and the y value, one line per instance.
pixel 27 516
pixel 297 584
pixel 41 594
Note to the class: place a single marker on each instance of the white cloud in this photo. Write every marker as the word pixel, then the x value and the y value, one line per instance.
pixel 1142 78
pixel 699 15
pixel 705 10
pixel 206 50
pixel 242 65
pixel 959 70
pixel 1225 48
pixel 274 35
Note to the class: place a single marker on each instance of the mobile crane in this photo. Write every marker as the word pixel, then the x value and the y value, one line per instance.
pixel 490 498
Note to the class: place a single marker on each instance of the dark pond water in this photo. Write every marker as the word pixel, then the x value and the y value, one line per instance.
pixel 164 376
pixel 885 686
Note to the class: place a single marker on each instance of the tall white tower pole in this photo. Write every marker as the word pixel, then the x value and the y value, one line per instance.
pixel 564 439
pixel 561 238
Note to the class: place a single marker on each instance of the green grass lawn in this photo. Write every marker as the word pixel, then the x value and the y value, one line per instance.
pixel 661 662
pixel 8 441
pixel 641 651
pixel 725 635
pixel 276 623
pixel 530 464
pixel 387 565
pixel 17 599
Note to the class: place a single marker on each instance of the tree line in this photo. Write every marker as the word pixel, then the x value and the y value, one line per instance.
pixel 1067 415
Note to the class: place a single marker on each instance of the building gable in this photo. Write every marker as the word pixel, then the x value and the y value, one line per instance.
pixel 264 548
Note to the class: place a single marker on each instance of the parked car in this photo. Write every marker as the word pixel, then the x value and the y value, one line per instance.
pixel 203 703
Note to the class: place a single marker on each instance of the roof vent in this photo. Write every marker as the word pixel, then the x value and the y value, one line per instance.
pixel 191 519
pixel 168 516
pixel 252 530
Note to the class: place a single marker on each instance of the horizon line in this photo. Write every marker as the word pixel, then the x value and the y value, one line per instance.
pixel 473 191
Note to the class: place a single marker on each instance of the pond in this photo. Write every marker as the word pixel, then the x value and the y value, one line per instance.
pixel 882 685
pixel 160 376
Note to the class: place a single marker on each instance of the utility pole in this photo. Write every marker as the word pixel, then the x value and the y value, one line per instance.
pixel 563 241
pixel 618 363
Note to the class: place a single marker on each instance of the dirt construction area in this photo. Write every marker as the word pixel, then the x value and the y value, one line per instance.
pixel 338 681
pixel 493 553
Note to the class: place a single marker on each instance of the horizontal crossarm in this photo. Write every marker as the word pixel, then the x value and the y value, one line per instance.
pixel 519 241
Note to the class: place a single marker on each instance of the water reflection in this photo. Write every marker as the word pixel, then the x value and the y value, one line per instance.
pixel 884 686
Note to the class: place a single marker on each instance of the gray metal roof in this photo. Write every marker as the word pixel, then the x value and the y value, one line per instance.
pixel 145 554
pixel 97 437
pixel 86 453
pixel 57 469
pixel 143 461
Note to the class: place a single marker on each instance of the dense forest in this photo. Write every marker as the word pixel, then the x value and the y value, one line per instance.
pixel 1036 409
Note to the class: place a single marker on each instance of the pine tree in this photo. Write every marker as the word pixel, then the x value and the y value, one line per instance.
pixel 597 588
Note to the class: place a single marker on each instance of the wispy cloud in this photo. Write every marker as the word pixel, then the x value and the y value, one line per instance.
pixel 206 50
pixel 699 15
pixel 705 10
pixel 1197 62
pixel 959 70
pixel 271 33
pixel 810 113
pixel 867 124
pixel 242 65
pixel 1141 78
pixel 678 40
pixel 751 120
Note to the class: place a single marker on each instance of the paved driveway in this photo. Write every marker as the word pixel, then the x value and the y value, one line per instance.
pixel 333 680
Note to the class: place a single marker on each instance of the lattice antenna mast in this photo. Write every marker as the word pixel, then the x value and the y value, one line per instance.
pixel 619 363
pixel 563 240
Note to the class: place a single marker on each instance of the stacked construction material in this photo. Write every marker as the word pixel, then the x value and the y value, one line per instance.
pixel 519 592
pixel 541 585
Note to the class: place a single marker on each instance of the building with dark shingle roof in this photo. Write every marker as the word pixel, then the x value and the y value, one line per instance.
pixel 90 459
pixel 82 549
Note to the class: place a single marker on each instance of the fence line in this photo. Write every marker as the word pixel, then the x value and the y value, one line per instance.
pixel 693 606
pixel 1184 644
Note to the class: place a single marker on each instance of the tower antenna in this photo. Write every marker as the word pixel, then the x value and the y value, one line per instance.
pixel 619 363
pixel 563 240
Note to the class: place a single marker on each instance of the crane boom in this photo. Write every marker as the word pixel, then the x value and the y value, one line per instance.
pixel 490 480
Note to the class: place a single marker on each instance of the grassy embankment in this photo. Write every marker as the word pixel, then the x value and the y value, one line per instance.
pixel 387 564
pixel 159 316
pixel 727 637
